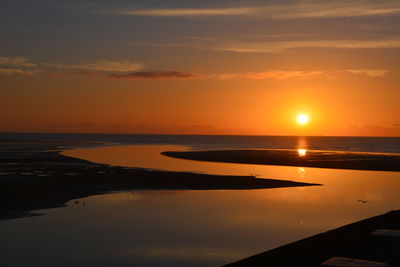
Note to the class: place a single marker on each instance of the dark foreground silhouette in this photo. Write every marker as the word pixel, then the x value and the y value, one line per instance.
pixel 31 178
pixel 319 159
pixel 351 241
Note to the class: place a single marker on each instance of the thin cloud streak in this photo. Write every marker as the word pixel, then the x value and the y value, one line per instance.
pixel 324 9
pixel 282 74
pixel 16 61
pixel 214 44
pixel 294 74
pixel 100 65
pixel 118 70
pixel 153 75
pixel 274 74
pixel 331 9
pixel 282 46
pixel 9 71
pixel 189 12
pixel 369 72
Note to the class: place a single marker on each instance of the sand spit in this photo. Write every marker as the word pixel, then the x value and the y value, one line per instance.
pixel 301 158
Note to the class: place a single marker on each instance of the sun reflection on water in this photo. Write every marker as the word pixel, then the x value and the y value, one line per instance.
pixel 301 172
pixel 302 152
pixel 302 146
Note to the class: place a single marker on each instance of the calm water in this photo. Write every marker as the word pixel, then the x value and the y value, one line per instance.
pixel 198 228
pixel 362 144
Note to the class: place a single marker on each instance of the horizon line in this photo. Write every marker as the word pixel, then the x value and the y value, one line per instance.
pixel 177 134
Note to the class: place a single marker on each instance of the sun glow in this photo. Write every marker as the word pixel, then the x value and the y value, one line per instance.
pixel 302 152
pixel 302 119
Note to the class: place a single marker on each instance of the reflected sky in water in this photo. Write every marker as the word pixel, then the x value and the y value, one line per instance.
pixel 193 228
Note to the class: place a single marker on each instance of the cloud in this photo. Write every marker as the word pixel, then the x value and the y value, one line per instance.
pixel 331 9
pixel 190 12
pixel 94 68
pixel 275 74
pixel 150 75
pixel 273 46
pixel 282 74
pixel 100 65
pixel 153 75
pixel 164 75
pixel 369 72
pixel 84 69
pixel 16 61
pixel 129 70
pixel 9 71
pixel 304 9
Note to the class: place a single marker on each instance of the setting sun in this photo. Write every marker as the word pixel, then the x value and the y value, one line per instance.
pixel 302 119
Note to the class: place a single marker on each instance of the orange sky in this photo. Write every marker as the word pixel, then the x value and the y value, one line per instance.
pixel 203 69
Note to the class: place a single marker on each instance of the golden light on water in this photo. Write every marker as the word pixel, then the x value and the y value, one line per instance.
pixel 302 152
pixel 302 119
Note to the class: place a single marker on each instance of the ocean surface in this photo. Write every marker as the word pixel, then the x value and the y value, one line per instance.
pixel 209 142
pixel 196 228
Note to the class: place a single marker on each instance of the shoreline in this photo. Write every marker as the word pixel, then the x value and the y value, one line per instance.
pixel 316 159
pixel 39 177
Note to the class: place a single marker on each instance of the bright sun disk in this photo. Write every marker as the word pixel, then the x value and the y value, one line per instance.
pixel 302 119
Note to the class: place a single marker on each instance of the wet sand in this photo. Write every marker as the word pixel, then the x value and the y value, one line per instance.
pixel 318 159
pixel 32 178
pixel 352 241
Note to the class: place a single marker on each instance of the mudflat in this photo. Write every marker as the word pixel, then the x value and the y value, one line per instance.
pixel 35 176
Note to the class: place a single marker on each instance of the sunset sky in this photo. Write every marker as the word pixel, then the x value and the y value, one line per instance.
pixel 200 67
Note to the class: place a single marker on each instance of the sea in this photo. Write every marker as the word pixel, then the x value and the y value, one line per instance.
pixel 210 142
pixel 195 227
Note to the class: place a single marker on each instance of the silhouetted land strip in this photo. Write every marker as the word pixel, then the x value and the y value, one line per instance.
pixel 32 178
pixel 319 159
pixel 353 241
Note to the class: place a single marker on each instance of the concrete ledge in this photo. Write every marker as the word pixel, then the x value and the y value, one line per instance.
pixel 348 262
pixel 386 233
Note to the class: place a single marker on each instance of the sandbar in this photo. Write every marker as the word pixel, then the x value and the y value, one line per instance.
pixel 287 157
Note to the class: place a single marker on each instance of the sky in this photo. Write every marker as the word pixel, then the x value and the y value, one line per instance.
pixel 245 67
